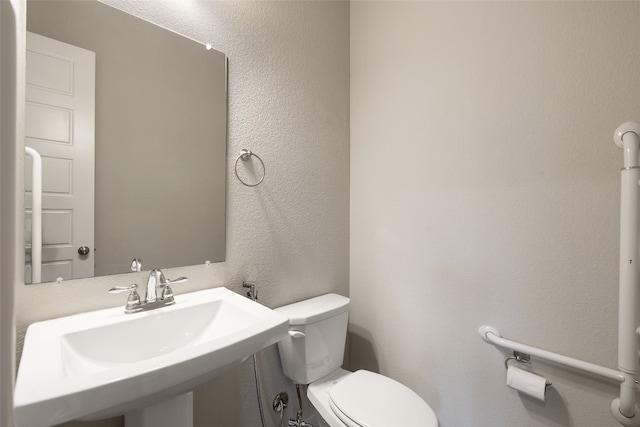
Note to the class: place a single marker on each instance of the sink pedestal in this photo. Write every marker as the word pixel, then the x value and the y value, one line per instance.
pixel 173 412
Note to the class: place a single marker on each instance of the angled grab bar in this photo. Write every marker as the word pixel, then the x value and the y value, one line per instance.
pixel 493 336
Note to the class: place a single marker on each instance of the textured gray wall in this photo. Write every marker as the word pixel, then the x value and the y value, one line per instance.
pixel 289 102
pixel 485 190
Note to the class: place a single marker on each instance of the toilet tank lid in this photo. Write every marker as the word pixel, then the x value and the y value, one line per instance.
pixel 314 309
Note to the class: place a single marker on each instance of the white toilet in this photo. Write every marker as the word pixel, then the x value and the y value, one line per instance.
pixel 312 354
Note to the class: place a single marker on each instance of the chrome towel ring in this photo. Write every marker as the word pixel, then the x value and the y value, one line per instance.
pixel 244 156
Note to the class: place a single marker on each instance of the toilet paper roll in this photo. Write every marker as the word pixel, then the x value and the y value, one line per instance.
pixel 526 382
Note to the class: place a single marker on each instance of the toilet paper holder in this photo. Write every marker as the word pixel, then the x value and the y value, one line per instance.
pixel 518 357
pixel 522 358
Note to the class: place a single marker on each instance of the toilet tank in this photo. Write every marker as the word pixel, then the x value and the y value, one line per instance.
pixel 314 347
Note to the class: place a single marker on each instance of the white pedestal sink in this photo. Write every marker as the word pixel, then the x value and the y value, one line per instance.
pixel 105 363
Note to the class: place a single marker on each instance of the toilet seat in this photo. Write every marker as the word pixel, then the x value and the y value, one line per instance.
pixel 367 399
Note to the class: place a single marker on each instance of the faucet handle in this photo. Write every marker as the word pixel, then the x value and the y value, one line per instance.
pixel 167 292
pixel 133 301
pixel 167 282
pixel 118 289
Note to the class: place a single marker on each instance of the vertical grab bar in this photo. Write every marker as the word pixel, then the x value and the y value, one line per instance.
pixel 36 215
pixel 624 409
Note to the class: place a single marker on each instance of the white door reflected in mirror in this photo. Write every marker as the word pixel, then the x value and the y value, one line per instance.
pixel 60 117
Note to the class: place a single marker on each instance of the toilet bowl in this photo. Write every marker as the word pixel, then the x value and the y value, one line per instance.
pixel 312 354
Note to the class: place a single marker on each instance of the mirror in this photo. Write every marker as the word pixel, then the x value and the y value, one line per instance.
pixel 160 142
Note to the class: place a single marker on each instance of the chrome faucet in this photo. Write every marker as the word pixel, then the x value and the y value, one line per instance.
pixel 156 280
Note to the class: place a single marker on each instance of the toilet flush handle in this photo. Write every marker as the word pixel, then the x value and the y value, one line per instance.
pixel 296 334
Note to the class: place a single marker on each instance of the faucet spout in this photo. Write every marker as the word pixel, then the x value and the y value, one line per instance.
pixel 156 279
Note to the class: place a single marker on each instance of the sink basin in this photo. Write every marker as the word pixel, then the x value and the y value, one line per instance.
pixel 106 363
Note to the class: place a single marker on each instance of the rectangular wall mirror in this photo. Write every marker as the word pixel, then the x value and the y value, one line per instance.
pixel 130 121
